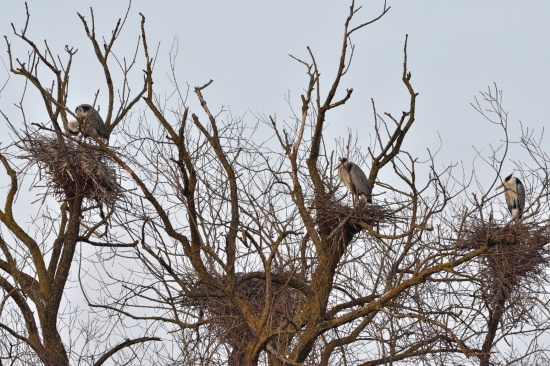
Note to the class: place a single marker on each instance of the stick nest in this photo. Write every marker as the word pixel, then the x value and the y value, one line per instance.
pixel 71 170
pixel 516 251
pixel 342 220
pixel 226 316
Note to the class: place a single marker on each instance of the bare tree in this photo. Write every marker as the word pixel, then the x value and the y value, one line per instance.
pixel 36 261
pixel 505 278
pixel 239 249
pixel 274 261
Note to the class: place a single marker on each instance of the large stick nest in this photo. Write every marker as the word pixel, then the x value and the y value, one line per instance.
pixel 516 251
pixel 226 315
pixel 71 170
pixel 345 221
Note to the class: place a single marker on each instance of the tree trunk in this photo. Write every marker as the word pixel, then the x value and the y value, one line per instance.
pixel 495 315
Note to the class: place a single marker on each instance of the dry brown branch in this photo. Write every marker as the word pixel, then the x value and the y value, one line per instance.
pixel 126 343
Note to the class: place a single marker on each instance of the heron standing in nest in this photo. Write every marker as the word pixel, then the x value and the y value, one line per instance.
pixel 91 124
pixel 514 193
pixel 355 179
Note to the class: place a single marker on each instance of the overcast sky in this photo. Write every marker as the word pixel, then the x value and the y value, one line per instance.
pixel 455 49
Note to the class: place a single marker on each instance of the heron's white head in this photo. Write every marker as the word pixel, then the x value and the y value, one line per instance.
pixel 507 182
pixel 341 162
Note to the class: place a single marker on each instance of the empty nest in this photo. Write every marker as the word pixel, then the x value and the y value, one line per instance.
pixel 226 319
pixel 71 170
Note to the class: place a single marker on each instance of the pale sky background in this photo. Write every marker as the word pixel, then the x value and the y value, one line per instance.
pixel 455 49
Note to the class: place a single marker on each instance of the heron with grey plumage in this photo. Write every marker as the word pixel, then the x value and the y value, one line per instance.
pixel 514 193
pixel 355 179
pixel 90 124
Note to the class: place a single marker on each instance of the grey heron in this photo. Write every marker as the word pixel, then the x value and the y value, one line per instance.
pixel 514 192
pixel 91 123
pixel 355 179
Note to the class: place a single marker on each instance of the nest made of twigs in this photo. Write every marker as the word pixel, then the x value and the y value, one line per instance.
pixel 71 169
pixel 516 250
pixel 339 219
pixel 227 321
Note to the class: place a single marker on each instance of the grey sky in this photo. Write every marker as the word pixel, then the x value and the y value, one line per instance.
pixel 455 50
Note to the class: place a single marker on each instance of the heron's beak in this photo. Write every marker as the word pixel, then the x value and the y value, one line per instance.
pixel 338 166
pixel 499 187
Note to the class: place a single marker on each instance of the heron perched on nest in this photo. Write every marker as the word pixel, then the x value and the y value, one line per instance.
pixel 71 169
pixel 355 179
pixel 514 193
pixel 90 123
